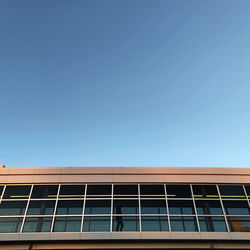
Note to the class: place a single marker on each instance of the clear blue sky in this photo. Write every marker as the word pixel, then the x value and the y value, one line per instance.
pixel 125 83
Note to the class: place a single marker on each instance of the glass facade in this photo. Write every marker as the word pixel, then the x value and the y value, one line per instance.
pixel 124 208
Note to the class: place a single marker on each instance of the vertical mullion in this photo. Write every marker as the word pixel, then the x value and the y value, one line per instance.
pixel 165 190
pixel 139 200
pixel 223 210
pixel 195 210
pixel 83 208
pixel 55 208
pixel 26 209
pixel 111 212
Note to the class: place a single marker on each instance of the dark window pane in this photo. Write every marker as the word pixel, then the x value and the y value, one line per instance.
pixel 212 224
pixel 98 207
pixel 44 191
pixel 125 191
pixel 98 191
pixel 41 207
pixel 180 207
pixel 67 224
pixel 152 191
pixel 10 225
pixel 37 224
pixel 154 223
pixel 126 207
pixel 96 224
pixel 1 190
pixel 205 191
pixel 72 191
pixel 69 207
pixel 208 207
pixel 183 224
pixel 239 224
pixel 248 191
pixel 232 192
pixel 125 223
pixel 236 207
pixel 153 207
pixel 17 192
pixel 178 191
pixel 12 207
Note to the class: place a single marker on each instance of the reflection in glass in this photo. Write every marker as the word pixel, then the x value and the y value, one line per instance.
pixel 17 192
pixel 98 191
pixel 44 191
pixel 69 207
pixel 212 224
pixel 12 207
pixel 67 224
pixel 239 224
pixel 96 224
pixel 125 223
pixel 98 207
pixel 152 191
pixel 178 191
pixel 183 224
pixel 208 207
pixel 236 207
pixel 125 191
pixel 153 207
pixel 154 223
pixel 205 191
pixel 10 225
pixel 37 224
pixel 72 191
pixel 232 192
pixel 180 207
pixel 126 207
pixel 41 207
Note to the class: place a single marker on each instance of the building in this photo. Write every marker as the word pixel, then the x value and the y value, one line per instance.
pixel 124 208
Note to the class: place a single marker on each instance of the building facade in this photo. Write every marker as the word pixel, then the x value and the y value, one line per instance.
pixel 124 208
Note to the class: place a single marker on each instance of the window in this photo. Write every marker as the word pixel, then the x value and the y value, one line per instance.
pixel 96 224
pixel 67 224
pixel 125 191
pixel 239 224
pixel 69 207
pixel 236 207
pixel 154 223
pixel 212 224
pixel 98 207
pixel 232 192
pixel 152 191
pixel 37 224
pixel 208 207
pixel 41 207
pixel 99 191
pixel 1 190
pixel 180 207
pixel 183 224
pixel 153 207
pixel 12 207
pixel 72 191
pixel 125 207
pixel 125 223
pixel 205 191
pixel 179 191
pixel 44 192
pixel 10 224
pixel 17 192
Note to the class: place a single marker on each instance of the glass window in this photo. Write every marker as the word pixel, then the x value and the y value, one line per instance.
pixel 236 207
pixel 125 223
pixel 153 207
pixel 208 207
pixel 154 223
pixel 126 207
pixel 183 224
pixel 152 191
pixel 41 207
pixel 96 224
pixel 248 191
pixel 17 192
pixel 98 207
pixel 180 207
pixel 44 191
pixel 69 207
pixel 12 207
pixel 37 224
pixel 125 191
pixel 232 192
pixel 98 191
pixel 1 190
pixel 205 191
pixel 212 224
pixel 72 191
pixel 239 224
pixel 67 224
pixel 10 225
pixel 178 191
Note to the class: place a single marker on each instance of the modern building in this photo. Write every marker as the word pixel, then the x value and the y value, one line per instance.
pixel 124 208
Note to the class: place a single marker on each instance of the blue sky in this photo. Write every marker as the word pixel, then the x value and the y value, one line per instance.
pixel 125 83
